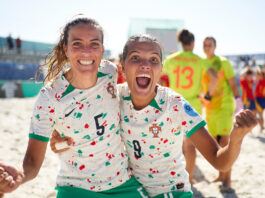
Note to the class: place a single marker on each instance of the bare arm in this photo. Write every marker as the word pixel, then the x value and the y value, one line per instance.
pixel 31 165
pixel 223 158
pixel 220 158
pixel 232 83
pixel 33 159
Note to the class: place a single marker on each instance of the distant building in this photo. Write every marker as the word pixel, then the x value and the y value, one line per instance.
pixel 163 29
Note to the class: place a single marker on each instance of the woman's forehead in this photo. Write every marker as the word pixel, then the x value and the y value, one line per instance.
pixel 208 41
pixel 84 30
pixel 146 46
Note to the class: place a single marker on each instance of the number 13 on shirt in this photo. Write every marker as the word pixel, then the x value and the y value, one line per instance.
pixel 184 77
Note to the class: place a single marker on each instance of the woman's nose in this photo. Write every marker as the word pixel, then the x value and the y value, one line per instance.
pixel 86 49
pixel 145 65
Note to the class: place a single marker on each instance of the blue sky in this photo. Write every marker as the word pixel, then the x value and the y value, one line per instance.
pixel 238 26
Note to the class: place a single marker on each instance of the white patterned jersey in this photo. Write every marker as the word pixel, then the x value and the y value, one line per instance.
pixel 153 137
pixel 97 161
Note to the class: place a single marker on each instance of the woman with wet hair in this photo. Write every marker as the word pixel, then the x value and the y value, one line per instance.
pixel 79 100
pixel 154 120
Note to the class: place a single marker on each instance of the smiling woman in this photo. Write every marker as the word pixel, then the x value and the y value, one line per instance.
pixel 154 120
pixel 84 51
pixel 71 102
pixel 81 46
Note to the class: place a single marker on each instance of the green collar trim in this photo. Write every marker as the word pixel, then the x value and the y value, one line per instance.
pixel 71 88
pixel 153 103
pixel 127 98
pixel 68 90
pixel 100 74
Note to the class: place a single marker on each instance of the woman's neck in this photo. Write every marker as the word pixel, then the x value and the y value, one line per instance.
pixel 140 102
pixel 187 48
pixel 210 56
pixel 81 81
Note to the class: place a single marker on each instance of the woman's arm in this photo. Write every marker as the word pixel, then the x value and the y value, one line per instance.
pixel 233 85
pixel 33 159
pixel 31 165
pixel 223 158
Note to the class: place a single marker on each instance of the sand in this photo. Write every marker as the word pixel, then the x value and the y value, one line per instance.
pixel 248 174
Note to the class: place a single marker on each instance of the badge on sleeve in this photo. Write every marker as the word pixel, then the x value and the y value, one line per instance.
pixel 189 110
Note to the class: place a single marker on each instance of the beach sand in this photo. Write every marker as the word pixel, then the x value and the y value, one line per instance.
pixel 248 175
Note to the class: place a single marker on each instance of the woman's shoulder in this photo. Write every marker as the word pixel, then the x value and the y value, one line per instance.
pixel 55 86
pixel 107 67
pixel 169 95
pixel 123 89
pixel 223 59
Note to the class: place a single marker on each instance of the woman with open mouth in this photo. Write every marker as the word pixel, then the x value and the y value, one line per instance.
pixel 154 120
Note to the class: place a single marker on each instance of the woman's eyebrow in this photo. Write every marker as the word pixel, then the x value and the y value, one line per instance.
pixel 131 52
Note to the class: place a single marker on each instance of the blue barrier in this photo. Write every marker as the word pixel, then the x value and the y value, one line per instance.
pixel 12 71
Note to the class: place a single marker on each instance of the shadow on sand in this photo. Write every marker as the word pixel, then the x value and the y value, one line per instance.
pixel 199 177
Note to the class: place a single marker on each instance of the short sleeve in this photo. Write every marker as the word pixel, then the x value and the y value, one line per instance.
pixel 42 120
pixel 191 121
pixel 108 68
pixel 114 71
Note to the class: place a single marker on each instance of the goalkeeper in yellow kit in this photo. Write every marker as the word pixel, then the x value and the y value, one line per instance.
pixel 221 97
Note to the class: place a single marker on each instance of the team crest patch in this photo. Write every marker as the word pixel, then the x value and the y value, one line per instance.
pixel 189 110
pixel 155 129
pixel 110 89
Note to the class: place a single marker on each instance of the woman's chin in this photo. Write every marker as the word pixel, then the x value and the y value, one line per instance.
pixel 141 92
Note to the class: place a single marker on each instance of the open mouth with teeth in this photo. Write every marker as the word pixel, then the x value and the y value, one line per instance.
pixel 143 80
pixel 86 62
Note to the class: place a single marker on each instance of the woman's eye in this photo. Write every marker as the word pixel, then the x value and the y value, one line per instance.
pixel 154 60
pixel 95 45
pixel 77 44
pixel 135 58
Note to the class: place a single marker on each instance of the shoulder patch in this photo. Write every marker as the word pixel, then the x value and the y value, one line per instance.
pixel 189 110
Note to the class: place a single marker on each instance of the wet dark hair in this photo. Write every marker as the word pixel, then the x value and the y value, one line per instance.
pixel 186 37
pixel 140 38
pixel 211 38
pixel 56 59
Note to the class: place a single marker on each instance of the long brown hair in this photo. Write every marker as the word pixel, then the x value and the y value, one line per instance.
pixel 56 59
